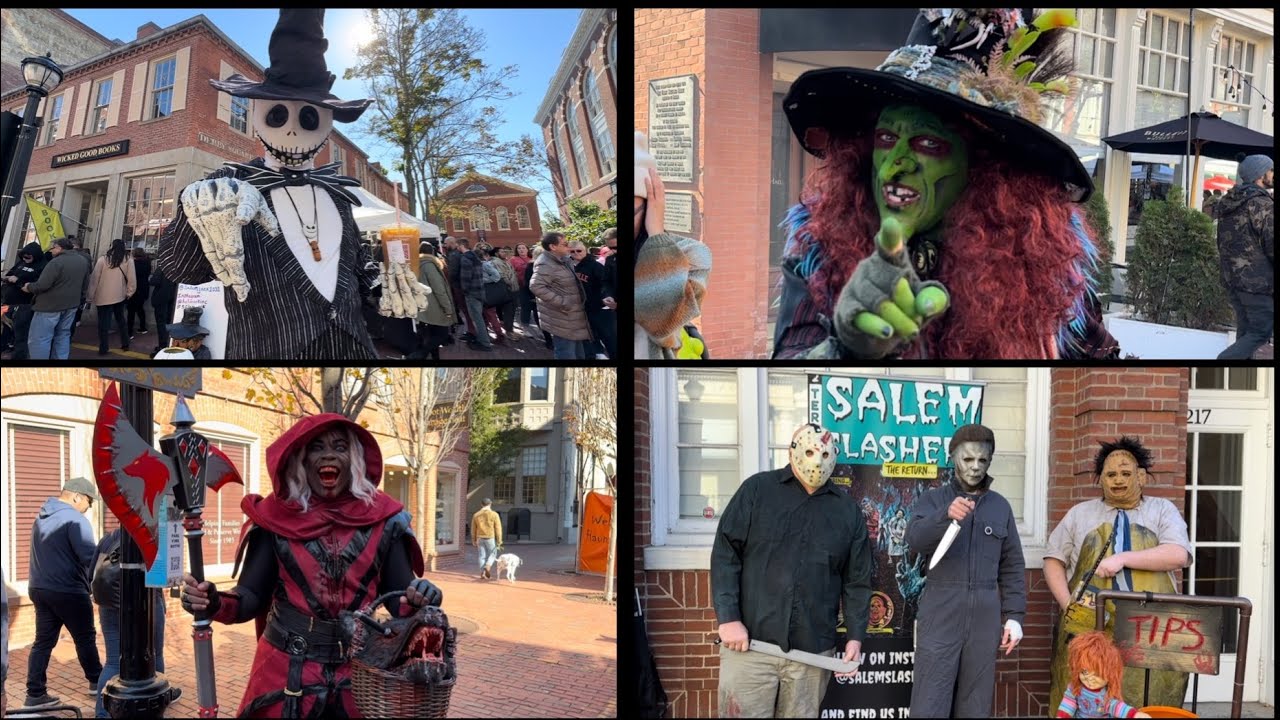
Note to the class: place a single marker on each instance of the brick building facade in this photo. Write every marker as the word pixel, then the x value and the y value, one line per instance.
pixel 579 115
pixel 1199 423
pixel 47 417
pixel 152 123
pixel 506 213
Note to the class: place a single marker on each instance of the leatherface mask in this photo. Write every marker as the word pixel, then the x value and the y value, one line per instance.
pixel 972 460
pixel 292 131
pixel 813 455
pixel 921 167
pixel 1122 480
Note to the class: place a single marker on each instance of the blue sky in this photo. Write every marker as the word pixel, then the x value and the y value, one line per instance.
pixel 532 40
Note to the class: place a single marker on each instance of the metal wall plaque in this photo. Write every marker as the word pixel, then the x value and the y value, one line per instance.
pixel 680 211
pixel 672 116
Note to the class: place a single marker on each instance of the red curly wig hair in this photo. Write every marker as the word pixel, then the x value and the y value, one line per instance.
pixel 1095 652
pixel 1009 258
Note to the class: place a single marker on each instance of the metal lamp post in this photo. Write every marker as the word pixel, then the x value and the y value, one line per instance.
pixel 42 75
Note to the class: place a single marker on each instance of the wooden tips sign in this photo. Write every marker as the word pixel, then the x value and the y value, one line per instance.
pixel 1169 636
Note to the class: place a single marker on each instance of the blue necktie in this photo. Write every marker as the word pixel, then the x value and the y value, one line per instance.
pixel 1122 543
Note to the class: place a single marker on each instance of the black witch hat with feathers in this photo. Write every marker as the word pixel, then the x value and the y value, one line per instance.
pixel 991 67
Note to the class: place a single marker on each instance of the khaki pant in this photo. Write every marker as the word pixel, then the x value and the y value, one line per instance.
pixel 754 685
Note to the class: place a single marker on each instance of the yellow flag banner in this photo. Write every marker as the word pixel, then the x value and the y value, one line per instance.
pixel 47 221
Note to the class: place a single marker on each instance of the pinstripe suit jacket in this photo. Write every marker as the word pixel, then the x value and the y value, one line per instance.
pixel 284 317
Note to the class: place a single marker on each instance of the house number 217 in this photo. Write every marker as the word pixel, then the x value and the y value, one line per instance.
pixel 1198 416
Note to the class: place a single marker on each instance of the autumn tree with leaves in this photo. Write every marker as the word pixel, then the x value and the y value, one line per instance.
pixel 592 421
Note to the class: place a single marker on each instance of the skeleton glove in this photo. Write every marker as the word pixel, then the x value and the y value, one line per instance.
pixel 216 211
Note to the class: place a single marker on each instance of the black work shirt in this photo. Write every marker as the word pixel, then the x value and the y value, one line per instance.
pixel 783 560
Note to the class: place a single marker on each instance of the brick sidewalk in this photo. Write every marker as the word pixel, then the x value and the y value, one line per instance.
pixel 536 653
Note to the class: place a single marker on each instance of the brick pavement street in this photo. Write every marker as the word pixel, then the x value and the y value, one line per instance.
pixel 536 652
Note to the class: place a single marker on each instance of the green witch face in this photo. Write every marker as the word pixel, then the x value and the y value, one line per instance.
pixel 921 167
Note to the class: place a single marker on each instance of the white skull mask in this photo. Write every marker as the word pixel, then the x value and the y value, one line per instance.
pixel 293 131
pixel 813 455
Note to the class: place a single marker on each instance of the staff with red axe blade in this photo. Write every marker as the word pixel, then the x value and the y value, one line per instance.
pixel 194 458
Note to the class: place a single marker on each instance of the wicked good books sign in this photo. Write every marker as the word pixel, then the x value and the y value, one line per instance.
pixel 893 435
pixel 120 147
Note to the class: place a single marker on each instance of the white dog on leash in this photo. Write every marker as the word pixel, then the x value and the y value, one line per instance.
pixel 508 562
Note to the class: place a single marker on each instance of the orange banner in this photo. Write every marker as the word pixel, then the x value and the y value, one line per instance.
pixel 593 540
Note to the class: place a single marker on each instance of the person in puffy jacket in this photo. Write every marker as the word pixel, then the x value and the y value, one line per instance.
pixel 561 299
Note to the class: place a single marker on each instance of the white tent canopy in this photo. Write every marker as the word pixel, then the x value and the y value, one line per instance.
pixel 373 213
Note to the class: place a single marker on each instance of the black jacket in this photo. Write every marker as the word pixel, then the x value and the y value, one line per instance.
pixel 783 561
pixel 470 274
pixel 25 273
pixel 285 317
pixel 591 274
pixel 164 293
pixel 142 271
pixel 611 276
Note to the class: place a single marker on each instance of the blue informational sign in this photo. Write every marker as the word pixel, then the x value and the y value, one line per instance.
pixel 883 420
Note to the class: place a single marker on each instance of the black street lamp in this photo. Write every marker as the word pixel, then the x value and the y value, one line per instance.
pixel 42 75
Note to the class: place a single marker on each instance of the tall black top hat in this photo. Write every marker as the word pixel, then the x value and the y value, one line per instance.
pixel 989 68
pixel 298 70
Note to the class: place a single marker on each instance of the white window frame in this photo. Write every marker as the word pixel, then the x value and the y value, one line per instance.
pixel 460 530
pixel 98 111
pixel 76 464
pixel 1144 49
pixel 152 96
pixel 459 225
pixel 480 211
pixel 1218 93
pixel 562 159
pixel 685 543
pixel 55 117
pixel 606 154
pixel 522 218
pixel 475 189
pixel 237 101
pixel 579 146
pixel 504 223
pixel 548 488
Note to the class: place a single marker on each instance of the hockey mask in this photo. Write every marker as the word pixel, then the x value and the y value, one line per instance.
pixel 1122 480
pixel 813 455
pixel 972 460
pixel 293 131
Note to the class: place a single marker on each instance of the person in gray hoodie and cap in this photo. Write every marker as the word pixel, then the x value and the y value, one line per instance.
pixel 58 293
pixel 62 549
pixel 976 596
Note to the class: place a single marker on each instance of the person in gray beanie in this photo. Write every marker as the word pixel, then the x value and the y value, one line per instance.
pixel 1246 254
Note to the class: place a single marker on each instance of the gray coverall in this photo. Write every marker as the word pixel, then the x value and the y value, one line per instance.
pixel 976 586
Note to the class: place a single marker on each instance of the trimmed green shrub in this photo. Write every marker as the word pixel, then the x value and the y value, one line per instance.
pixel 1173 270
pixel 1098 216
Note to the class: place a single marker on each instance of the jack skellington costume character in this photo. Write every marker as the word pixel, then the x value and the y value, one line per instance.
pixel 299 273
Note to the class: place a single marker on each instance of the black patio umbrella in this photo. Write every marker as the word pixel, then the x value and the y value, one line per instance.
pixel 1210 135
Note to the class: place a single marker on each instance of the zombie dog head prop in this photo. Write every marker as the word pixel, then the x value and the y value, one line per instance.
pixel 813 455
pixel 293 109
pixel 1122 467
pixel 940 223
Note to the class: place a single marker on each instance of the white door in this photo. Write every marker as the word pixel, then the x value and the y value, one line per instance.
pixel 1229 490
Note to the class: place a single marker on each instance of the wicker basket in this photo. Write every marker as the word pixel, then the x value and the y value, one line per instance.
pixel 381 693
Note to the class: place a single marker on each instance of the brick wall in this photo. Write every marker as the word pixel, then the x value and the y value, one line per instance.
pixel 1087 405
pixel 497 195
pixel 733 136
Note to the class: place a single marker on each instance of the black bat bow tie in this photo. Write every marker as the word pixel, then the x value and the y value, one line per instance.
pixel 265 179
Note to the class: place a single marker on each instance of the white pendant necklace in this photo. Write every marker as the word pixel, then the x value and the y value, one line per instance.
pixel 309 231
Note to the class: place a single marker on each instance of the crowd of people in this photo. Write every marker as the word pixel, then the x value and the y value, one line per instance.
pixel 481 295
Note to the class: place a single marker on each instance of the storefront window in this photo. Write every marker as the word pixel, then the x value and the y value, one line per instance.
pixel 148 209
pixel 1163 77
pixel 1233 79
pixel 1081 119
pixel 446 507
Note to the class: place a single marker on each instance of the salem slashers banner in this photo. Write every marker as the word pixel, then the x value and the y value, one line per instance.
pixel 893 436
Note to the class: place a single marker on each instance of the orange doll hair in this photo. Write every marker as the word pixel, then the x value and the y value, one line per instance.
pixel 1094 651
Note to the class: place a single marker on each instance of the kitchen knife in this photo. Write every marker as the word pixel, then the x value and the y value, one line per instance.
pixel 947 538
